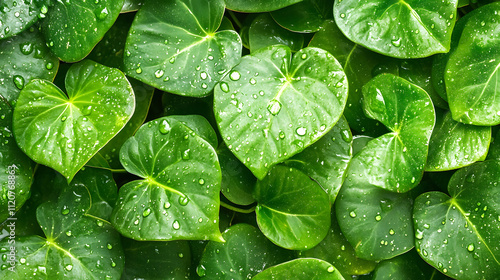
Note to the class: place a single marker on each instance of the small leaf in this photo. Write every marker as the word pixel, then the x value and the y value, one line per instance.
pixel 289 222
pixel 178 195
pixel 301 269
pixel 64 132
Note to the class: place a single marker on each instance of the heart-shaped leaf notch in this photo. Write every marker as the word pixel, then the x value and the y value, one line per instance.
pixel 270 106
pixel 178 197
pixel 65 131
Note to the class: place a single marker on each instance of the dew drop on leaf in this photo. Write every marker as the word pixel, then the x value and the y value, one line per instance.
pixel 19 81
pixel 352 214
pixel 183 200
pixel 470 247
pixel 235 75
pixel 68 267
pixel 301 131
pixel 224 87
pixel 274 107
pixel 159 73
pixel 109 246
pixel 166 205
pixel 396 43
pixel 201 181
pixel 419 235
pixel 164 127
pixel 65 210
pixel 146 212
pixel 378 218
pixel 176 225
pixel 201 270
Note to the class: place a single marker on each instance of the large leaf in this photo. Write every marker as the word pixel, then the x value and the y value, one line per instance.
pixel 15 167
pixel 454 144
pixel 473 70
pixel 270 106
pixel 357 63
pixel 326 161
pixel 258 6
pixel 64 132
pixel 312 15
pixel 264 32
pixel 408 266
pixel 460 234
pixel 79 242
pixel 178 195
pixel 23 58
pixel 287 221
pixel 398 28
pixel 396 160
pixel 156 260
pixel 174 46
pixel 17 15
pixel 73 28
pixel 301 269
pixel 376 222
pixel 245 253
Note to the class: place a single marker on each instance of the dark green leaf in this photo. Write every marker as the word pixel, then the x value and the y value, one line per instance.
pixel 23 58
pixel 494 151
pixel 264 32
pixel 16 16
pixel 178 195
pixel 405 266
pixel 186 55
pixel 131 5
pixel 306 16
pixel 64 132
pixel 270 107
pixel 289 222
pixel 245 253
pixel 258 6
pixel 460 235
pixel 403 29
pixel 301 269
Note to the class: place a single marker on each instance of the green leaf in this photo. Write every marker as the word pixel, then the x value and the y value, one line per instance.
pixel 15 167
pixel 357 63
pixel 301 269
pixel 237 181
pixel 376 222
pixel 16 16
pixel 258 6
pixel 73 28
pixel 403 29
pixel 454 145
pixel 156 260
pixel 359 142
pixel 178 195
pixel 312 15
pixel 326 160
pixel 245 253
pixel 131 5
pixel 200 126
pixel 473 70
pixel 336 250
pixel 186 56
pixel 459 234
pixel 264 32
pixel 79 244
pixel 407 266
pixel 64 132
pixel 289 222
pixel 494 151
pixel 23 58
pixel 396 160
pixel 270 106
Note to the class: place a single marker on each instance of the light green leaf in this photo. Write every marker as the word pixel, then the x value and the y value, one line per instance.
pixel 301 269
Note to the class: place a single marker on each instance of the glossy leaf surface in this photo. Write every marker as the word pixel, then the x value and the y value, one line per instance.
pixel 301 269
pixel 312 15
pixel 258 6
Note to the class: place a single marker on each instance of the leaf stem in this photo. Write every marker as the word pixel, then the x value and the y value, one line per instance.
pixel 235 19
pixel 236 209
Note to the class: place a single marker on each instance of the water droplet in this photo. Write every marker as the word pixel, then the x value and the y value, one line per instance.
pixel 235 75
pixel 424 252
pixel 274 107
pixel 413 180
pixel 200 220
pixel 19 81
pixel 159 73
pixel 378 218
pixel 65 210
pixel 483 23
pixel 303 56
pixel 103 14
pixel 138 70
pixel 109 246
pixel 346 135
pixel 203 75
pixel 396 43
pixel 352 214
pixel 342 247
pixel 146 212
pixel 166 205
pixel 419 235
pixel 172 60
pixel 68 267
pixel 26 48
pixel 201 270
pixel 391 232
pixel 342 15
pixel 331 269
pixel 176 224
pixel 470 247
pixel 181 255
pixel 282 135
pixel 100 223
pixel 201 181
pixel 164 127
pixel 136 222
pixel 22 260
pixel 68 233
pixel 427 226
pixel 183 200
pixel 203 85
pixel 301 131
pixel 44 9
pixel 4 257
pixel 253 81
pixel 224 87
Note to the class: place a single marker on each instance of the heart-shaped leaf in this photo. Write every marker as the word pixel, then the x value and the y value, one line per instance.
pixel 64 132
pixel 79 242
pixel 23 58
pixel 187 55
pixel 15 167
pixel 17 15
pixel 312 15
pixel 73 28
pixel 454 144
pixel 301 269
pixel 264 31
pixel 156 260
pixel 459 234
pixel 291 223
pixel 245 253
pixel 376 222
pixel 473 70
pixel 270 106
pixel 258 6
pixel 396 160
pixel 326 161
pixel 178 197
pixel 357 63
pixel 403 29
